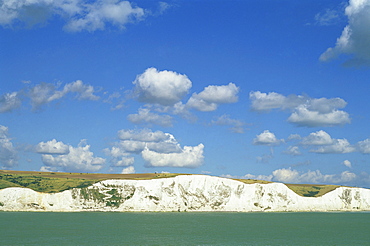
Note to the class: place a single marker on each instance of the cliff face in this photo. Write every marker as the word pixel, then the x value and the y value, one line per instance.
pixel 182 193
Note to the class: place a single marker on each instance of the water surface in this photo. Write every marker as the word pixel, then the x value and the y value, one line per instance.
pixel 217 228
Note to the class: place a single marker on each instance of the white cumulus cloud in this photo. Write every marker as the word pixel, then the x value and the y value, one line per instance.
pixel 128 170
pixel 258 177
pixel 80 15
pixel 293 150
pixel 294 137
pixel 325 105
pixel 347 163
pixel 83 91
pixel 267 138
pixel 306 111
pixel 355 38
pixel 303 116
pixel 328 145
pixel 119 158
pixel 153 146
pixel 190 157
pixel 45 93
pixel 9 102
pixel 212 96
pixel 165 88
pixel 291 176
pixel 288 175
pixel 8 153
pixel 312 177
pixel 143 135
pixel 339 146
pixel 100 13
pixel 317 138
pixel 78 159
pixel 52 147
pixel 134 141
pixel 272 100
pixel 364 146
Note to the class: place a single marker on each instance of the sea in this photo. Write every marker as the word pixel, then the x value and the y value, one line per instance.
pixel 184 228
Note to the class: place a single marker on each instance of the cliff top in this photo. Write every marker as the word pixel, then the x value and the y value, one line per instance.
pixel 50 182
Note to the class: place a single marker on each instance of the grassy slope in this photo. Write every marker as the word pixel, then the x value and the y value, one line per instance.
pixel 55 182
pixel 311 190
pixel 50 182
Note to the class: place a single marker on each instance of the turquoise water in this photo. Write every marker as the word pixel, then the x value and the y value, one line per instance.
pixel 99 228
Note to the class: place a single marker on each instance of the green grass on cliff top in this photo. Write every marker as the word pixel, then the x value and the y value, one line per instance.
pixel 50 182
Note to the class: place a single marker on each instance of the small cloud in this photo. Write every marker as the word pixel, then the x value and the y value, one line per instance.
pixel 183 111
pixel 128 170
pixel 267 138
pixel 320 112
pixel 329 145
pixel 120 158
pixel 328 17
pixel 117 13
pixel 257 177
pixel 212 96
pixel 347 163
pixel 47 169
pixel 45 93
pixel 302 116
pixel 8 153
pixel 144 135
pixel 165 88
pixel 317 138
pixel 286 175
pixel 294 137
pixel 10 102
pixel 237 126
pixel 293 150
pixel 364 146
pixel 263 102
pixel 83 91
pixel 189 157
pixel 116 100
pixel 52 148
pixel 339 146
pixel 303 163
pixel 163 7
pixel 264 158
pixel 145 116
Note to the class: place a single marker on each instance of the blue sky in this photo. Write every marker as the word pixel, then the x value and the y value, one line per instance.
pixel 274 90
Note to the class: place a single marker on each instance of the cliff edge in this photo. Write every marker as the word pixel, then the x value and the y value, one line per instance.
pixel 182 193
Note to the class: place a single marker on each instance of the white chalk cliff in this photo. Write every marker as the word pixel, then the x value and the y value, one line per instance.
pixel 182 193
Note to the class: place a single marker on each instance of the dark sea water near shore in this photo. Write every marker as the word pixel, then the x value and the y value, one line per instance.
pixel 185 228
